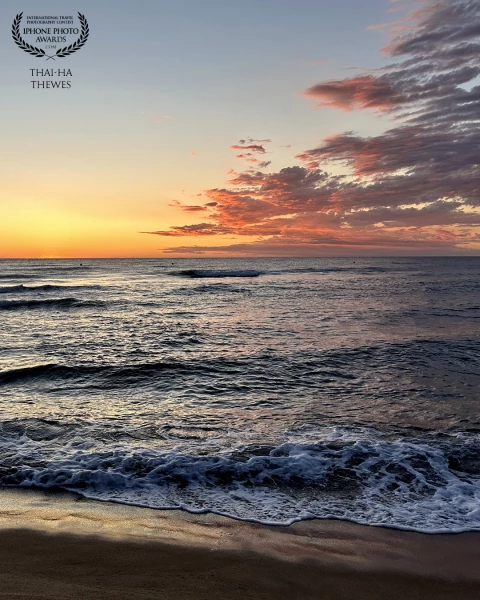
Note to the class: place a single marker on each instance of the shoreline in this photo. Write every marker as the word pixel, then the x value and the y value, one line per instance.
pixel 61 545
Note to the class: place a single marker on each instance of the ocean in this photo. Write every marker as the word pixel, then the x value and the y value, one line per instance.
pixel 271 390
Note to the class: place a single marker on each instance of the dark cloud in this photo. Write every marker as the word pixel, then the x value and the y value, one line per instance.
pixel 253 141
pixel 434 153
pixel 446 24
pixel 436 213
pixel 192 208
pixel 251 147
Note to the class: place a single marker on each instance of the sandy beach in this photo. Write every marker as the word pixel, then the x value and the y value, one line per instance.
pixel 61 546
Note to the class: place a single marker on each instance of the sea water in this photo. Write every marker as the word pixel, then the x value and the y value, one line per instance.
pixel 272 390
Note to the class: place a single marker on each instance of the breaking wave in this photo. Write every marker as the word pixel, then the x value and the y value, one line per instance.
pixel 211 273
pixel 430 485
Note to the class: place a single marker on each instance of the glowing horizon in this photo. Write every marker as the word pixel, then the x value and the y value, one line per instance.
pixel 161 150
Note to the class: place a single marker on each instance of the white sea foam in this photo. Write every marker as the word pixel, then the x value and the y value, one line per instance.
pixel 351 475
pixel 175 392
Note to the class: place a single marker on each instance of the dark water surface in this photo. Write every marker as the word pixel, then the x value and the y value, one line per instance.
pixel 264 389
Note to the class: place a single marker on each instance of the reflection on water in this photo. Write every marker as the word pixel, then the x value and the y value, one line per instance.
pixel 104 362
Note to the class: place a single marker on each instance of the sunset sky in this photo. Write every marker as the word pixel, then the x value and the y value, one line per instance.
pixel 257 128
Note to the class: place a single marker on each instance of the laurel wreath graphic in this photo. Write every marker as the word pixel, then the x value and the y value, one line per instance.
pixel 39 52
pixel 17 38
pixel 79 43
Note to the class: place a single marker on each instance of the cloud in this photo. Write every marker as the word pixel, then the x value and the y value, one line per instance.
pixel 355 93
pixel 436 213
pixel 254 141
pixel 442 23
pixel 325 247
pixel 433 152
pixel 198 229
pixel 250 149
pixel 415 186
pixel 194 208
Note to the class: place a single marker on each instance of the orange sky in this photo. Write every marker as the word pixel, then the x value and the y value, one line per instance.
pixel 276 147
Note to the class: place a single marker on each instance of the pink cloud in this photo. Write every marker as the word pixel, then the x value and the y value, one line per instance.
pixel 355 93
pixel 415 186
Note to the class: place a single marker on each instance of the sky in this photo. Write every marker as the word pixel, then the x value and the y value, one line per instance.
pixel 260 128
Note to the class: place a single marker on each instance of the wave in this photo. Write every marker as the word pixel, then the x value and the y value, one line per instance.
pixel 301 372
pixel 213 288
pixel 415 484
pixel 51 303
pixel 17 276
pixel 121 375
pixel 41 271
pixel 261 372
pixel 21 289
pixel 362 270
pixel 205 273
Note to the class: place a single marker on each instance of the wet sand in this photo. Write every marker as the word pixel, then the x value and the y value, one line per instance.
pixel 61 546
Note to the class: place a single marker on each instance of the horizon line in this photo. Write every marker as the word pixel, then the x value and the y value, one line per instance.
pixel 4 258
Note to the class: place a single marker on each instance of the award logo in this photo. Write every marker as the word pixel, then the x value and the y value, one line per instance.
pixel 50 38
pixel 44 37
